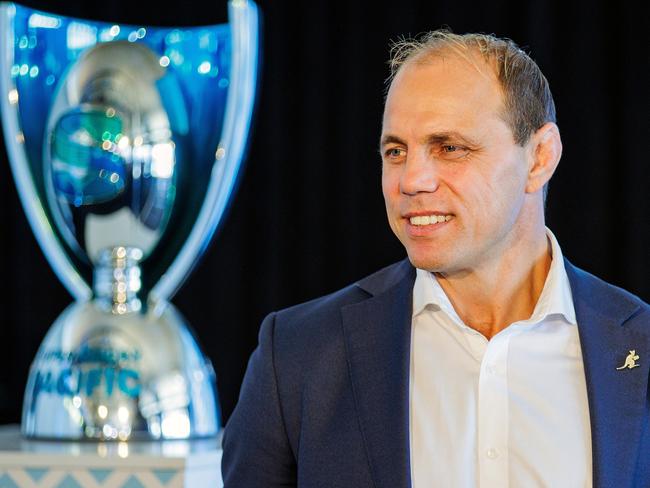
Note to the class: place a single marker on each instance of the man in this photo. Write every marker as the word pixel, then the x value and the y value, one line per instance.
pixel 486 359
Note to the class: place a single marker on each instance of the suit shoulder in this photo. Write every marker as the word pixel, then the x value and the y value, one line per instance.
pixel 606 296
pixel 326 309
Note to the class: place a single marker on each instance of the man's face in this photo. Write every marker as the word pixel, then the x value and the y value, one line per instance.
pixel 454 181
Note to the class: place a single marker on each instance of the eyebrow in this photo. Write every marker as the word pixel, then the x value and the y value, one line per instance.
pixel 390 139
pixel 451 136
pixel 435 138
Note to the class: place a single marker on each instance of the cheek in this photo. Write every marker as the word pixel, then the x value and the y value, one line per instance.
pixel 488 195
pixel 505 191
pixel 390 190
pixel 390 187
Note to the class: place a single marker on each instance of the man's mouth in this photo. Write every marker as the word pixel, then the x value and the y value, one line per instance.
pixel 430 219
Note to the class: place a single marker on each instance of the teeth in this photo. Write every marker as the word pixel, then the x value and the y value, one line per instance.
pixel 430 219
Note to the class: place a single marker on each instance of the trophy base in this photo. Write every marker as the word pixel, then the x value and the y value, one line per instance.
pixel 101 376
pixel 177 464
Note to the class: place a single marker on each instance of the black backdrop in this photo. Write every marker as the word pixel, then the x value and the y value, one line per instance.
pixel 308 217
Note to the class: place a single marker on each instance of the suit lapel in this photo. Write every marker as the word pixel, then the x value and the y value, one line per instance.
pixel 378 338
pixel 617 398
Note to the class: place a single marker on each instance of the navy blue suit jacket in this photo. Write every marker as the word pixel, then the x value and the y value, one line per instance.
pixel 325 400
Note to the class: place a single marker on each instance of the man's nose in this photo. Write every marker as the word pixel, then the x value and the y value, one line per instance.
pixel 419 174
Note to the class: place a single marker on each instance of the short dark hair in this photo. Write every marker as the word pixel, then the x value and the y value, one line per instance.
pixel 528 103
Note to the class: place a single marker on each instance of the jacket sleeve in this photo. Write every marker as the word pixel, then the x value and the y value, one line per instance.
pixel 256 450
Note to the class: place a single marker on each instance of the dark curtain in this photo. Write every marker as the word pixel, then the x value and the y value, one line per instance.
pixel 308 217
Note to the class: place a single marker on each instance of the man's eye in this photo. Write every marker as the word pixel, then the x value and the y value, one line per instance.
pixel 395 152
pixel 452 151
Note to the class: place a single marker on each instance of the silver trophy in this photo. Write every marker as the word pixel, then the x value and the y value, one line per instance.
pixel 125 143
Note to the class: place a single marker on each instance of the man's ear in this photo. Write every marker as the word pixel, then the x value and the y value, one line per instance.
pixel 545 152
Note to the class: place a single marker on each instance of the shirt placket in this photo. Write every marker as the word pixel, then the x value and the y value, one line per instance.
pixel 492 414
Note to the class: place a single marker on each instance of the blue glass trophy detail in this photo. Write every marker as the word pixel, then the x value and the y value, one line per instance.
pixel 125 143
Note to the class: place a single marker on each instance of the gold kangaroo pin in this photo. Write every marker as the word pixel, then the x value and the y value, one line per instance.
pixel 630 361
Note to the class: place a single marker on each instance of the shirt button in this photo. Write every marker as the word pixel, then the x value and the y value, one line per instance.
pixel 492 453
pixel 491 370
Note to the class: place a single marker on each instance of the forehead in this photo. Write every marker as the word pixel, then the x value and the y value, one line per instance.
pixel 443 89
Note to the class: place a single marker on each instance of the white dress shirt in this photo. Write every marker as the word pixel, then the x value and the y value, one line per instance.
pixel 508 412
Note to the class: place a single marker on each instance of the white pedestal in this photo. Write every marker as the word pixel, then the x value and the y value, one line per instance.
pixel 54 464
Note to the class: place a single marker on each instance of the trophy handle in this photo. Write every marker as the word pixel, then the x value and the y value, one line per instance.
pixel 32 204
pixel 244 21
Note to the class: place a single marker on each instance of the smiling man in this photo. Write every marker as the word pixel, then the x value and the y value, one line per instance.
pixel 485 359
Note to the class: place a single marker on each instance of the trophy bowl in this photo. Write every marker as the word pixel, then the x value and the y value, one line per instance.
pixel 125 143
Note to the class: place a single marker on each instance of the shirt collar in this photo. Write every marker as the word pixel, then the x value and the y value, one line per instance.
pixel 556 297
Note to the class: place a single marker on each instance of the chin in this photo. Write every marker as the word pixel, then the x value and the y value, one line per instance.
pixel 432 263
pixel 439 254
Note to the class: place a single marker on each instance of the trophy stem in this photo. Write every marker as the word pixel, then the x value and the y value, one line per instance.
pixel 117 280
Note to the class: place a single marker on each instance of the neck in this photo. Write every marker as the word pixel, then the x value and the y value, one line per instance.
pixel 490 298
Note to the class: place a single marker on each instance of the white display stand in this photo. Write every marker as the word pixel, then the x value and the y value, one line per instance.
pixel 54 464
